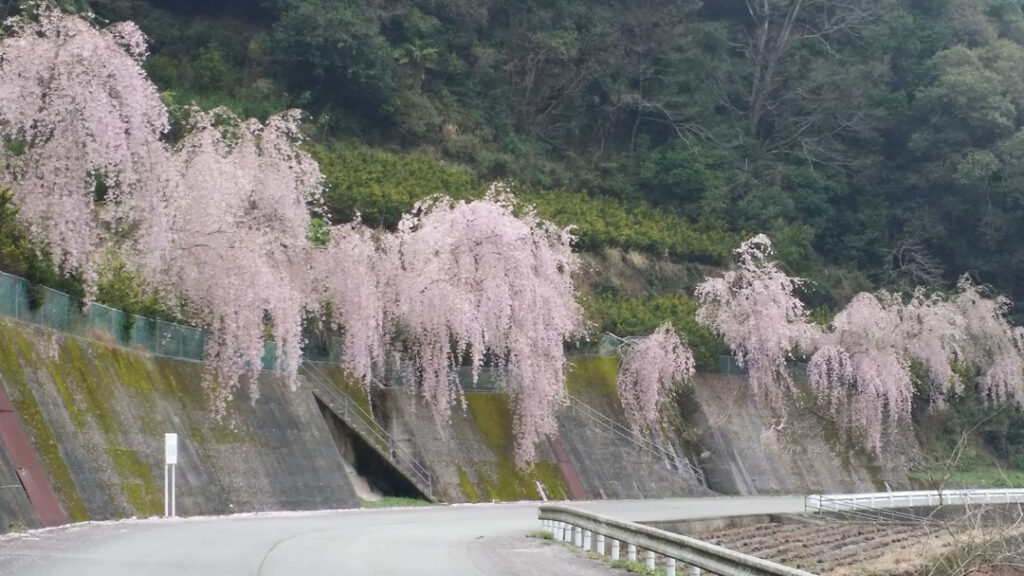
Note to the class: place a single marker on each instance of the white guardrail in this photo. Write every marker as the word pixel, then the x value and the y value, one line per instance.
pixel 910 499
pixel 592 532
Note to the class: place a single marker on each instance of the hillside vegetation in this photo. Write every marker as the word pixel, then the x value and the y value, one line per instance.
pixel 876 142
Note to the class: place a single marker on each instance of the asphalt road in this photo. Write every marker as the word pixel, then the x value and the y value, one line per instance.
pixel 460 540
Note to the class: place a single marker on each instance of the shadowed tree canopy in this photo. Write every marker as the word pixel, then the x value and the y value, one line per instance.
pixel 876 141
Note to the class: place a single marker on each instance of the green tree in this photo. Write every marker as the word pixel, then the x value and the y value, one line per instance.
pixel 332 52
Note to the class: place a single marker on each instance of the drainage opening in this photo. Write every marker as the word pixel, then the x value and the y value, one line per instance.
pixel 371 474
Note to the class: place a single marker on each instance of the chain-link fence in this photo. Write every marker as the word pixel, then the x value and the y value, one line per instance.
pixel 57 310
pixel 60 311
pixel 729 365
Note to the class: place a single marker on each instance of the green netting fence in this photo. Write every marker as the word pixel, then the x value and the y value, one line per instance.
pixel 57 310
pixel 729 365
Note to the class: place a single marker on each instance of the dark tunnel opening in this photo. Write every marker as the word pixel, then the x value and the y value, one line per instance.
pixel 381 475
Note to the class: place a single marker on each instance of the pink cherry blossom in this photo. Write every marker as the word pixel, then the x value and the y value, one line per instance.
pixel 349 274
pixel 78 100
pixel 861 372
pixel 474 281
pixel 651 366
pixel 993 347
pixel 754 309
pixel 238 251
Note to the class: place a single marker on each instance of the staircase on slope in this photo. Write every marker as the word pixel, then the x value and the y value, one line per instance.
pixel 672 460
pixel 356 418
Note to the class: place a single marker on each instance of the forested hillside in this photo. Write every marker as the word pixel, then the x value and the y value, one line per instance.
pixel 873 141
pixel 877 142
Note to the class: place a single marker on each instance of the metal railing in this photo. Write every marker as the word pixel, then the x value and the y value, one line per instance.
pixel 910 499
pixel 363 424
pixel 670 459
pixel 856 512
pixel 591 532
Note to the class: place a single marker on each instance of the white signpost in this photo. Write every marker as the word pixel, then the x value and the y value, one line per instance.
pixel 170 460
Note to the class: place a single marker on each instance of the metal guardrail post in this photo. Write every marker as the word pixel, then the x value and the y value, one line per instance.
pixel 654 541
pixel 649 560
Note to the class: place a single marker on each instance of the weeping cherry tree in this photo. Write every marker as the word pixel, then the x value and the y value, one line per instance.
pixel 862 368
pixel 237 249
pixel 349 277
pixel 755 311
pixel 933 332
pixel 993 347
pixel 81 124
pixel 651 367
pixel 861 372
pixel 473 281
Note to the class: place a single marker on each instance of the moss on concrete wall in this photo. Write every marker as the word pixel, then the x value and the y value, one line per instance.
pixel 34 422
pixel 137 484
pixel 594 376
pixel 346 384
pixel 501 479
pixel 468 489
pixel 96 415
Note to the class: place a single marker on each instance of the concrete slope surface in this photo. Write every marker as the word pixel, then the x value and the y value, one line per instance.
pixel 458 540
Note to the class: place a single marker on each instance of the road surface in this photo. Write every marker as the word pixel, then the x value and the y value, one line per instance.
pixel 461 540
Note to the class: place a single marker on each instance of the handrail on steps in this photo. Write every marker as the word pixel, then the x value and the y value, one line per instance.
pixel 680 464
pixel 355 416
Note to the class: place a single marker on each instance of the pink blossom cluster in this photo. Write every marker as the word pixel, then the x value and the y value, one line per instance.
pixel 235 241
pixel 349 276
pixel 474 281
pixel 993 348
pixel 861 371
pixel 755 311
pixel 860 367
pixel 457 283
pixel 85 117
pixel 651 367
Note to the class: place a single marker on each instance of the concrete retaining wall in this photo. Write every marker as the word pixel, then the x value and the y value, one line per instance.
pixel 471 457
pixel 97 414
pixel 749 450
pixel 612 467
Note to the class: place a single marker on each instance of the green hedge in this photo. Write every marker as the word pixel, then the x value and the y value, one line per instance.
pixel 626 316
pixel 381 186
pixel 602 221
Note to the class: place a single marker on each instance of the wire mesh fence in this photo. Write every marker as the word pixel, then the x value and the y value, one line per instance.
pixel 729 365
pixel 60 311
pixel 57 310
